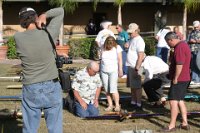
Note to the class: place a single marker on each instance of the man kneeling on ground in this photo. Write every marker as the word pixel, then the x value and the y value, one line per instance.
pixel 87 87
pixel 155 76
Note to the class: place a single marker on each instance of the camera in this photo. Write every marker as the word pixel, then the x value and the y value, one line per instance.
pixel 60 60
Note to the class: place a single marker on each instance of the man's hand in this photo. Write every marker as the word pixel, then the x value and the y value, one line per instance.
pixel 120 73
pixel 175 81
pixel 41 20
pixel 96 103
pixel 83 104
pixel 126 45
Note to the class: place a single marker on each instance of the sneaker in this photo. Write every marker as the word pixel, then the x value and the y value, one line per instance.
pixel 192 83
pixel 133 102
pixel 124 77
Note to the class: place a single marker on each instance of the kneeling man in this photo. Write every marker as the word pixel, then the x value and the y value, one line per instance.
pixel 87 87
pixel 155 76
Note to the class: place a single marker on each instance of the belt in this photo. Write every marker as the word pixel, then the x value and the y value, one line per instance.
pixel 55 80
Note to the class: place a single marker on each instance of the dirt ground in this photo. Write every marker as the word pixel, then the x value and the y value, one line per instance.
pixel 73 124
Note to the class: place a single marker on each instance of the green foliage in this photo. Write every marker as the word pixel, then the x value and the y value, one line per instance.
pixel 81 47
pixel 86 47
pixel 68 5
pixel 119 2
pixel 11 54
pixel 150 45
pixel 191 5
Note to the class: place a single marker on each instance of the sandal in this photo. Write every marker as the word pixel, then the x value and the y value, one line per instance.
pixel 117 108
pixel 186 127
pixel 109 108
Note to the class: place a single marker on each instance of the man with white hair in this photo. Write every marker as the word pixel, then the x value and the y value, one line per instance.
pixel 194 42
pixel 87 87
pixel 103 34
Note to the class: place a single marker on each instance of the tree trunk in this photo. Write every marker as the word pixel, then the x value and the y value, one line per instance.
pixel 119 15
pixel 1 23
pixel 184 22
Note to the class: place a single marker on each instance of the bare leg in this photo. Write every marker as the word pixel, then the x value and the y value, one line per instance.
pixel 183 110
pixel 116 98
pixel 109 99
pixel 174 113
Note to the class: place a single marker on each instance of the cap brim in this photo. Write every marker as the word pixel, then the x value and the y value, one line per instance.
pixel 129 31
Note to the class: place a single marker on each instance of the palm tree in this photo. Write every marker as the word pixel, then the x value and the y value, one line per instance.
pixel 189 5
pixel 119 3
pixel 69 6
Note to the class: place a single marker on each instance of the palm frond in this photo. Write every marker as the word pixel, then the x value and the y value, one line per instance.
pixel 119 2
pixel 191 5
pixel 68 5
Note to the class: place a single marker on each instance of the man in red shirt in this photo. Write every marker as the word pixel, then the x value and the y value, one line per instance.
pixel 179 73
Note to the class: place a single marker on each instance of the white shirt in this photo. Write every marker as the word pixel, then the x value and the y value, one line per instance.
pixel 161 38
pixel 136 45
pixel 102 35
pixel 154 65
pixel 109 59
pixel 86 85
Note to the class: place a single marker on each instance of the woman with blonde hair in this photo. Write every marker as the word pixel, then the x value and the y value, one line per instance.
pixel 111 68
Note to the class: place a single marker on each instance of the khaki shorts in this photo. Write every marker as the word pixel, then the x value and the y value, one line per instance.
pixel 134 79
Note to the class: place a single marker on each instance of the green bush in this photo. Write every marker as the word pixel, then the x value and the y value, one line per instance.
pixel 84 47
pixel 11 54
pixel 150 45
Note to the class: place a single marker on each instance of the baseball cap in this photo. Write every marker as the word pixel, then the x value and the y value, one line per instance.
pixel 132 27
pixel 105 24
pixel 27 11
pixel 196 23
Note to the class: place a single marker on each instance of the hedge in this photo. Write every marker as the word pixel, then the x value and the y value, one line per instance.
pixel 83 47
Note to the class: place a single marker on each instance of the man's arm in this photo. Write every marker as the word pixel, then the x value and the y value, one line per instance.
pixel 79 99
pixel 177 73
pixel 98 91
pixel 56 15
pixel 139 60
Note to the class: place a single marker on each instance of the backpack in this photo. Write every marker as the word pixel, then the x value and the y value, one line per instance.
pixel 65 80
pixel 70 102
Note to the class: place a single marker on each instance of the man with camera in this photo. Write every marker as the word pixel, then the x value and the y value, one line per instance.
pixel 41 89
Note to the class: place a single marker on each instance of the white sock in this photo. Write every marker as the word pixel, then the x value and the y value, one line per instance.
pixel 139 104
pixel 133 102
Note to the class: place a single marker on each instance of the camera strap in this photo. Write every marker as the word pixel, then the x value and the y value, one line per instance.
pixel 52 42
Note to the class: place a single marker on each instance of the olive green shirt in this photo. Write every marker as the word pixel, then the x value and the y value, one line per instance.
pixel 35 50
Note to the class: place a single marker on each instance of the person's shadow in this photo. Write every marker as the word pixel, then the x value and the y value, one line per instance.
pixel 8 125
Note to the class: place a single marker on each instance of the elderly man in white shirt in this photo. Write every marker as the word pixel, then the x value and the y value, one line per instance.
pixel 103 34
pixel 155 70
pixel 87 87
